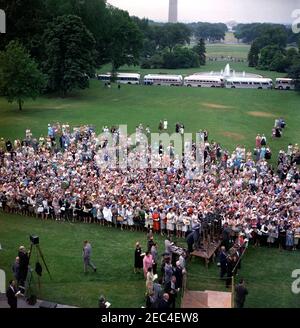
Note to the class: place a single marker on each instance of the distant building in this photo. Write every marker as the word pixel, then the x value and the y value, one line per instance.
pixel 173 11
pixel 231 25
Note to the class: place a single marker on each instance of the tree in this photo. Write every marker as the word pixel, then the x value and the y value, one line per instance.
pixel 125 39
pixel 279 63
pixel 294 71
pixel 25 20
pixel 173 35
pixel 200 50
pixel 69 54
pixel 209 31
pixel 181 57
pixel 20 77
pixel 268 55
pixel 268 33
pixel 253 55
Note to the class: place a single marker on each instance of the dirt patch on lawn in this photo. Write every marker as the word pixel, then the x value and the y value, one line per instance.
pixel 262 114
pixel 233 135
pixel 64 106
pixel 216 106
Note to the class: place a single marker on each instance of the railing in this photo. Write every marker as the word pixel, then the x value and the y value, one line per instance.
pixel 184 284
pixel 233 278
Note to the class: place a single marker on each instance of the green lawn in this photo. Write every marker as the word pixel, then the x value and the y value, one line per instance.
pixel 267 271
pixel 226 113
pixel 239 51
pixel 61 243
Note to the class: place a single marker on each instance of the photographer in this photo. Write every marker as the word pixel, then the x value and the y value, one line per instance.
pixel 23 265
pixel 103 304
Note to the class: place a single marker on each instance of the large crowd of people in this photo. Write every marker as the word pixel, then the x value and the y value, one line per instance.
pixel 66 180
pixel 63 176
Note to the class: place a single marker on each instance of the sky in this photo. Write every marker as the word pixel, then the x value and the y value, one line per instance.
pixel 241 11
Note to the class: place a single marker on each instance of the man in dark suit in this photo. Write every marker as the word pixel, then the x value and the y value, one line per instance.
pixel 190 242
pixel 178 274
pixel 223 262
pixel 164 302
pixel 23 265
pixel 240 294
pixel 226 236
pixel 172 289
pixel 12 296
pixel 230 267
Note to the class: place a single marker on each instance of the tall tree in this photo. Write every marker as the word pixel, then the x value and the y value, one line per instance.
pixel 20 77
pixel 253 56
pixel 174 34
pixel 294 71
pixel 125 40
pixel 25 20
pixel 93 14
pixel 200 50
pixel 70 54
pixel 209 31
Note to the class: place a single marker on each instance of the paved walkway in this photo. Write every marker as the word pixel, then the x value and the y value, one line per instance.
pixel 23 305
pixel 206 299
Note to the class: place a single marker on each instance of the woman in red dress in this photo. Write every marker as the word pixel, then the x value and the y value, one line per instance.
pixel 156 223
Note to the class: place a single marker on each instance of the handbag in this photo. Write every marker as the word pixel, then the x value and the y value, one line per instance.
pixel 120 219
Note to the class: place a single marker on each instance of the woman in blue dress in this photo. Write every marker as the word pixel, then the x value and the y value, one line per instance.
pixel 289 239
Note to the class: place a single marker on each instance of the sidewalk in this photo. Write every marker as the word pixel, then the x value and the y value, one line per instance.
pixel 23 305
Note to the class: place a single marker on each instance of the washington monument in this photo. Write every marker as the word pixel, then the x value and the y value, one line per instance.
pixel 173 11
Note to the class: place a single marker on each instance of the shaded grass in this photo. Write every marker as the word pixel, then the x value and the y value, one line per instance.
pixel 267 271
pixel 61 243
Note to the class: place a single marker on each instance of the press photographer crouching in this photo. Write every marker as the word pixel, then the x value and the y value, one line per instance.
pixel 103 304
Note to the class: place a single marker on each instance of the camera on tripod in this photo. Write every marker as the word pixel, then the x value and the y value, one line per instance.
pixel 35 240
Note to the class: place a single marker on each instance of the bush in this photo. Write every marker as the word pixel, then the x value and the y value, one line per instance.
pixel 180 58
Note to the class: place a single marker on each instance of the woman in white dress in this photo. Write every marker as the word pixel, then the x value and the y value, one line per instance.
pixel 179 224
pixel 107 215
pixel 129 218
pixel 147 221
pixel 121 216
pixel 186 224
pixel 170 222
pixel 162 222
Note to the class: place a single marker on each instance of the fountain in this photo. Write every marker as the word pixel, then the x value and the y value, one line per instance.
pixel 228 72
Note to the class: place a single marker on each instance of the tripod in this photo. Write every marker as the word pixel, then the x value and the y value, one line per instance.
pixel 39 253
